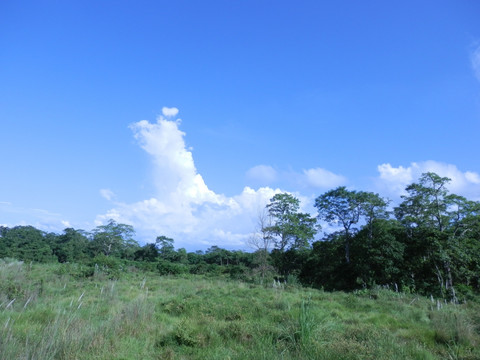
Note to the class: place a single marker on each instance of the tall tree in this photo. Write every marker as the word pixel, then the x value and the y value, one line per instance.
pixel 262 240
pixel 374 208
pixel 425 204
pixel 347 208
pixel 148 252
pixel 165 247
pixel 71 246
pixel 282 208
pixel 292 229
pixel 340 206
pixel 379 254
pixel 438 223
pixel 114 239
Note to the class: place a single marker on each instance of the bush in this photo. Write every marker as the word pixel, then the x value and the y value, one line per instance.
pixel 107 265
pixel 78 271
pixel 200 268
pixel 238 272
pixel 169 268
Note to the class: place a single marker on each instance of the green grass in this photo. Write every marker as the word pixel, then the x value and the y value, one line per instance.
pixel 60 315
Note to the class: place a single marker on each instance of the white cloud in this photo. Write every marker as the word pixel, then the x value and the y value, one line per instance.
pixel 475 60
pixel 66 224
pixel 169 112
pixel 42 219
pixel 472 177
pixel 262 173
pixel 321 178
pixel 393 180
pixel 183 207
pixel 107 194
pixel 176 179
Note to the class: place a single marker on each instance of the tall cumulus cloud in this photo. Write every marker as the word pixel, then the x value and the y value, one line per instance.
pixel 183 206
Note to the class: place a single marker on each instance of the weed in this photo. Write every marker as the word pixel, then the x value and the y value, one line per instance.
pixel 453 327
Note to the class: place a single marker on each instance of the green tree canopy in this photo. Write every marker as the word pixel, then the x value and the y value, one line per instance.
pixel 292 229
pixel 347 208
pixel 438 226
pixel 114 239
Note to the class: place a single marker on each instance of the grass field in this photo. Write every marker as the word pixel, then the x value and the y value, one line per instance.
pixel 51 312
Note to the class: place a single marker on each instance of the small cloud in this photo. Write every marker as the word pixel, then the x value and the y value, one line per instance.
pixel 107 194
pixel 322 178
pixel 472 177
pixel 66 223
pixel 475 60
pixel 168 112
pixel 262 173
pixel 395 179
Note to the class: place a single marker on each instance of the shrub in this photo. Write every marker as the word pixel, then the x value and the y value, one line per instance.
pixel 169 268
pixel 108 265
pixel 238 272
pixel 12 279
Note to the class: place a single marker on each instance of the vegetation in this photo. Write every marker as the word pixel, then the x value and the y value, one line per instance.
pixel 58 311
pixel 408 276
pixel 429 244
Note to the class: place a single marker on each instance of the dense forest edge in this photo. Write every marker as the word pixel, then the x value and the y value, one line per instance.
pixel 429 244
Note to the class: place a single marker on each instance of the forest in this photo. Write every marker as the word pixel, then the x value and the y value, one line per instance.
pixel 428 244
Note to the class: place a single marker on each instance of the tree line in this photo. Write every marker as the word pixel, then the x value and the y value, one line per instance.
pixel 111 247
pixel 429 243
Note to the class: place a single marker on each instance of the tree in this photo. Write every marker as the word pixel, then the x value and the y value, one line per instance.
pixel 114 239
pixel 304 228
pixel 165 247
pixel 426 203
pixel 148 252
pixel 324 267
pixel 340 205
pixel 26 243
pixel 4 249
pixel 373 208
pixel 347 207
pixel 292 229
pixel 215 254
pixel 438 224
pixel 379 254
pixel 262 238
pixel 282 208
pixel 71 246
pixel 3 231
pixel 262 241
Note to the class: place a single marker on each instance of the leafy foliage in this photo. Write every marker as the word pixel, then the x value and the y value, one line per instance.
pixel 292 229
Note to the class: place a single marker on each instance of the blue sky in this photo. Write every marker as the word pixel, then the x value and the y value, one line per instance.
pixel 272 96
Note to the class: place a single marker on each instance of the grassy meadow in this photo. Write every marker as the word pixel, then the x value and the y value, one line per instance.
pixel 52 311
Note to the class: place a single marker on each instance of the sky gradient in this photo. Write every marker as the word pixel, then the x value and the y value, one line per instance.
pixel 182 118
